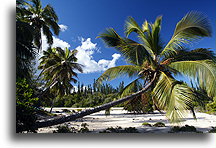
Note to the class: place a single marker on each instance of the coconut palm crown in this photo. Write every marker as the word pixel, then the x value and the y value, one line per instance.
pixel 59 67
pixel 42 20
pixel 150 57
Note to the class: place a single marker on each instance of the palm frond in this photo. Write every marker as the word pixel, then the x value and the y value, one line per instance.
pixel 202 69
pixel 48 34
pixel 193 26
pixel 132 87
pixel 132 26
pixel 53 24
pixel 180 102
pixel 49 11
pixel 153 36
pixel 173 96
pixel 134 52
pixel 145 26
pixel 194 55
pixel 110 37
pixel 114 72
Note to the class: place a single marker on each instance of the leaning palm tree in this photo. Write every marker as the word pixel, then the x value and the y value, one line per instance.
pixel 150 57
pixel 59 68
pixel 155 66
pixel 43 20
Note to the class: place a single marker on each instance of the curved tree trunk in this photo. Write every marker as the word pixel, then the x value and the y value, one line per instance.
pixel 62 119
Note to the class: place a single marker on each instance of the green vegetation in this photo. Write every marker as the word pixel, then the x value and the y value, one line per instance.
pixel 25 107
pixel 58 71
pixel 66 129
pixel 89 96
pixel 84 128
pixel 211 108
pixel 150 60
pixel 146 124
pixel 31 21
pixel 66 110
pixel 119 129
pixel 213 130
pixel 159 124
pixel 185 128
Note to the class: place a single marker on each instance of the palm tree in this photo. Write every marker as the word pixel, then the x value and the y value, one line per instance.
pixel 43 20
pixel 59 69
pixel 150 57
pixel 155 65
pixel 31 20
pixel 25 50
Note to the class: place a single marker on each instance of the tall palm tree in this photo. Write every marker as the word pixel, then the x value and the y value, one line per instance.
pixel 31 21
pixel 25 50
pixel 155 65
pixel 150 57
pixel 43 20
pixel 59 69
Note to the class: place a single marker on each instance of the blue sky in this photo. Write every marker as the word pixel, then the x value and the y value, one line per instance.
pixel 85 19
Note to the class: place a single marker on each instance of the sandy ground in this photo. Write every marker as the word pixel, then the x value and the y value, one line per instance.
pixel 118 117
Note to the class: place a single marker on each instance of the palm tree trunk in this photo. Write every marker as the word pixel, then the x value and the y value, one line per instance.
pixel 52 105
pixel 62 119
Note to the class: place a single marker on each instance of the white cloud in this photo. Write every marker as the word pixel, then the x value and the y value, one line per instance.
pixel 56 43
pixel 85 54
pixel 63 28
pixel 85 57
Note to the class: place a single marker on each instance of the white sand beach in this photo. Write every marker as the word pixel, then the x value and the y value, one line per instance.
pixel 119 117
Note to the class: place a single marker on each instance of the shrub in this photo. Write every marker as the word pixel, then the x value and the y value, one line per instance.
pixel 146 124
pixel 159 124
pixel 25 118
pixel 131 130
pixel 119 129
pixel 25 107
pixel 213 130
pixel 84 128
pixel 65 129
pixel 185 128
pixel 66 110
pixel 78 110
pixel 211 107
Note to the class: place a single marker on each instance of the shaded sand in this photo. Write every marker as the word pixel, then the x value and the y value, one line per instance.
pixel 119 117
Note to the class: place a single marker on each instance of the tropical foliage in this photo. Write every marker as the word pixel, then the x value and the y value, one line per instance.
pixel 150 57
pixel 86 96
pixel 150 63
pixel 43 20
pixel 25 107
pixel 59 67
pixel 31 21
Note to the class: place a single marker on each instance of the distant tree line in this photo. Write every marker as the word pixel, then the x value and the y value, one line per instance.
pixel 87 96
